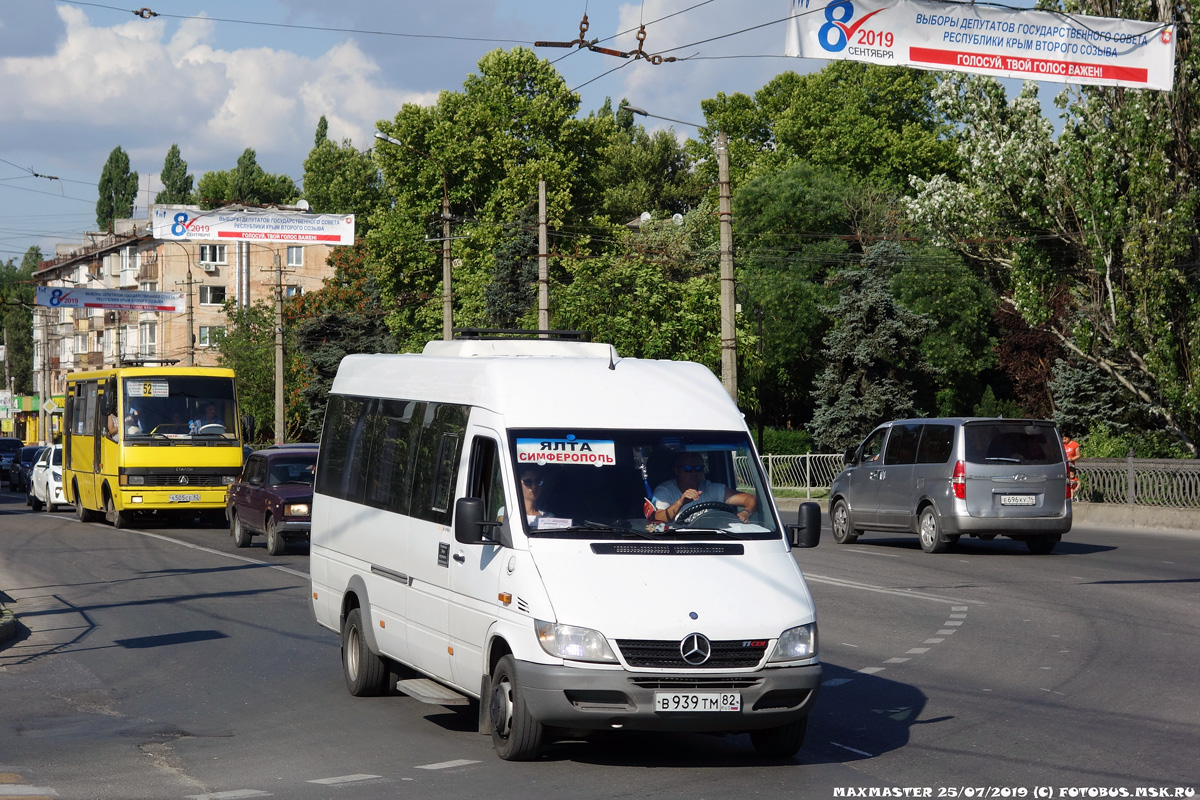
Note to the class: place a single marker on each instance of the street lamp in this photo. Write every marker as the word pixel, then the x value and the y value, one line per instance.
pixel 725 210
pixel 447 293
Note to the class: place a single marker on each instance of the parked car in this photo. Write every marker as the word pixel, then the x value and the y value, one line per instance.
pixel 9 448
pixel 45 480
pixel 18 472
pixel 945 478
pixel 273 497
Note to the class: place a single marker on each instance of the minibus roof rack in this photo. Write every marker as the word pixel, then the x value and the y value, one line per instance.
pixel 521 333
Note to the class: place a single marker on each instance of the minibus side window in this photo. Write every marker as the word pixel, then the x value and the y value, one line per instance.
pixel 388 479
pixel 435 463
pixel 486 481
pixel 68 420
pixel 344 447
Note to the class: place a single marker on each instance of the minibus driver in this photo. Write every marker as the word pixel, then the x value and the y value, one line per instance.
pixel 689 486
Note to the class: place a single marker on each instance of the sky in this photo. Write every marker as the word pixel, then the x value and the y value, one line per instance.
pixel 77 79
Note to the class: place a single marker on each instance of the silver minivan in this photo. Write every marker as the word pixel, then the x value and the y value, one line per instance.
pixel 949 477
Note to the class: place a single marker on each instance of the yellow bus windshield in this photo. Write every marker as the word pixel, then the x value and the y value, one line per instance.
pixel 178 407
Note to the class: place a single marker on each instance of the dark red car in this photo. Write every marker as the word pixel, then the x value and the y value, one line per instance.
pixel 273 497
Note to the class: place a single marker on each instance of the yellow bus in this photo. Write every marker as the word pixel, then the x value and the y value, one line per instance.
pixel 150 440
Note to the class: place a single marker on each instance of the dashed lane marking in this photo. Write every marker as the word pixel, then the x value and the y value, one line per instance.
pixel 344 779
pixel 459 762
pixel 235 794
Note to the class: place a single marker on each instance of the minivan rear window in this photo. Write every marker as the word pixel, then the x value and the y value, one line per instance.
pixel 1011 443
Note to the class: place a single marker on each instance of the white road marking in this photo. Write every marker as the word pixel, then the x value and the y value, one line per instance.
pixel 460 762
pixel 235 557
pixel 933 641
pixel 233 795
pixel 958 616
pixel 852 750
pixel 21 790
pixel 836 681
pixel 847 644
pixel 950 624
pixel 344 779
pixel 958 608
pixel 916 651
pixel 871 553
pixel 870 670
pixel 897 660
pixel 867 587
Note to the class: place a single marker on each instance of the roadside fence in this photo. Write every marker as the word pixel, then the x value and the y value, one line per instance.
pixel 1160 482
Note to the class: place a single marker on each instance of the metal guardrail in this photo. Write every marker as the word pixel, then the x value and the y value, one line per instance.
pixel 1159 482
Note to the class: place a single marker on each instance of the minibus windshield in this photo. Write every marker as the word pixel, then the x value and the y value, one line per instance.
pixel 606 483
pixel 179 407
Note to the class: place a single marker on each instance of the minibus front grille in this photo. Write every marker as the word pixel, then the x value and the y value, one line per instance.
pixel 665 654
pixel 667 549
pixel 697 684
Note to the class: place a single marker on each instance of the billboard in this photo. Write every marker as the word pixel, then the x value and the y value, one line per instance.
pixel 986 40
pixel 121 299
pixel 176 223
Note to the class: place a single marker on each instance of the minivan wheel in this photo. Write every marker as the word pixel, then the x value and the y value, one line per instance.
pixel 1042 545
pixel 366 673
pixel 840 520
pixel 782 742
pixel 516 735
pixel 930 532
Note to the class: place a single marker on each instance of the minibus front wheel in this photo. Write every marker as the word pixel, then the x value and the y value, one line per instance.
pixel 366 673
pixel 781 742
pixel 516 735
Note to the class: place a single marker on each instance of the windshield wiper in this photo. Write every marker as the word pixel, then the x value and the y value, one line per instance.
pixel 730 534
pixel 588 525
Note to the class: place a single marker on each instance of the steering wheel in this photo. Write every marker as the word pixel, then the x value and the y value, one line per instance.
pixel 212 427
pixel 698 508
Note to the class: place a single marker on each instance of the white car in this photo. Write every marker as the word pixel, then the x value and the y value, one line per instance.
pixel 45 480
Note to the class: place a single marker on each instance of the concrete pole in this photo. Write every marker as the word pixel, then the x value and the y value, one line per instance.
pixel 728 329
pixel 280 433
pixel 191 318
pixel 543 262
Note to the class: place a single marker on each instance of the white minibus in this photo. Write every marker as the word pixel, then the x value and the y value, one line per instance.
pixel 577 541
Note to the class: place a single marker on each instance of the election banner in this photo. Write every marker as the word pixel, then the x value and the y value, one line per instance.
pixel 173 223
pixel 120 299
pixel 986 40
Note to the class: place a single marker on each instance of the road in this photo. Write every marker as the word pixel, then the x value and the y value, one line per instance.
pixel 165 663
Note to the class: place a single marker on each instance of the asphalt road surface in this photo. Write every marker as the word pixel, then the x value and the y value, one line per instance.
pixel 163 662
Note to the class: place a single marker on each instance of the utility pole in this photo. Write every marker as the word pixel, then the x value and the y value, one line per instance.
pixel 191 318
pixel 447 291
pixel 543 262
pixel 728 330
pixel 279 423
pixel 43 438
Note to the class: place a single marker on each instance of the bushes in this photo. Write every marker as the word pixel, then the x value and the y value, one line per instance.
pixel 1102 442
pixel 786 442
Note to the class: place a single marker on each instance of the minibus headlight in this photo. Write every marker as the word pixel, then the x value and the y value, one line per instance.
pixel 228 480
pixel 796 644
pixel 572 642
pixel 136 480
pixel 295 510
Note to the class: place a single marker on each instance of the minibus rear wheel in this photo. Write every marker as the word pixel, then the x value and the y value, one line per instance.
pixel 782 742
pixel 516 735
pixel 366 673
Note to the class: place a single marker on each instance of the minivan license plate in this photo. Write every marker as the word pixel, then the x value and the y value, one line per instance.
pixel 185 498
pixel 1017 500
pixel 697 701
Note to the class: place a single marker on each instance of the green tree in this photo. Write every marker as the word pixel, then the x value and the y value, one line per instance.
pixel 247 346
pixel 487 147
pixel 176 181
pixel 1089 237
pixel 117 190
pixel 342 180
pixel 343 317
pixel 873 358
pixel 16 306
pixel 513 289
pixel 246 184
pixel 322 132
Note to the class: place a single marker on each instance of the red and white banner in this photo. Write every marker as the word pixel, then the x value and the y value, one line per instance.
pixel 986 40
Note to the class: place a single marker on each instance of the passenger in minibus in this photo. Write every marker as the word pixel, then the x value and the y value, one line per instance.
pixel 690 486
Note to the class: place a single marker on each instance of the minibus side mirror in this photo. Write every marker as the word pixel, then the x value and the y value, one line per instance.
pixel 807 532
pixel 469 525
